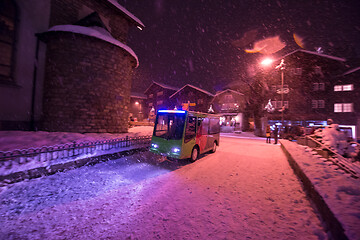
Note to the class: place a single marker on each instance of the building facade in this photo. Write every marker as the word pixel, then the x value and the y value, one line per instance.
pixel 157 98
pixel 301 92
pixel 83 82
pixel 191 98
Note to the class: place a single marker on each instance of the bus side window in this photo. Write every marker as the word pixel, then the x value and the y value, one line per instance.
pixel 214 126
pixel 205 126
pixel 190 131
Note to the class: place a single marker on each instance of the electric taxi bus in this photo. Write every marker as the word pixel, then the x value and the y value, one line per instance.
pixel 184 134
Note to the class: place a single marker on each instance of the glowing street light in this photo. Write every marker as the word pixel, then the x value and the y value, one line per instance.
pixel 267 62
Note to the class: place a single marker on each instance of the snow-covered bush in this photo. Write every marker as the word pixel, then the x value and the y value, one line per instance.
pixel 332 137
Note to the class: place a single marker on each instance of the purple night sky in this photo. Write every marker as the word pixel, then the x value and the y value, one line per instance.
pixel 188 41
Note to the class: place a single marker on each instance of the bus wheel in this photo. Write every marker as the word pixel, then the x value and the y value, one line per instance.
pixel 214 147
pixel 194 154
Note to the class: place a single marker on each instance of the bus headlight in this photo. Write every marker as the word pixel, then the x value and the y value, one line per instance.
pixel 154 145
pixel 176 150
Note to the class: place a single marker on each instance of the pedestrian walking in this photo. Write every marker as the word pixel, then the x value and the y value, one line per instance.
pixel 275 132
pixel 268 134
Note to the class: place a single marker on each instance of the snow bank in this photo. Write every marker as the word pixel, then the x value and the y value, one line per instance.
pixel 18 140
pixel 340 192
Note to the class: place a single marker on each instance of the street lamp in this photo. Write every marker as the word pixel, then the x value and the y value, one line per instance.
pixel 281 66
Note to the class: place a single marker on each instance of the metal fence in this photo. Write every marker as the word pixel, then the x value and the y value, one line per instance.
pixel 45 154
pixel 345 164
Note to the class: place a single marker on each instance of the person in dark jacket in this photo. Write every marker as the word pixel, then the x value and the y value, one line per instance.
pixel 275 133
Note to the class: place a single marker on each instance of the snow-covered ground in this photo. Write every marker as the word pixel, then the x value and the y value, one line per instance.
pixel 246 190
pixel 11 140
pixel 338 189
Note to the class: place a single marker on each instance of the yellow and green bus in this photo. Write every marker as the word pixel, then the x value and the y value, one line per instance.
pixel 185 134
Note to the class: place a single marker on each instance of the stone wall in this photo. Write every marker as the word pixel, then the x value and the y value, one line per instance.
pixel 87 86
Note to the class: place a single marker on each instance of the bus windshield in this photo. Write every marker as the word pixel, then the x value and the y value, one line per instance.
pixel 169 125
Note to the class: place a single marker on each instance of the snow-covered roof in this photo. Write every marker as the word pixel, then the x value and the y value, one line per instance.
pixel 95 32
pixel 315 53
pixel 192 86
pixel 352 70
pixel 161 85
pixel 126 12
pixel 138 95
pixel 228 90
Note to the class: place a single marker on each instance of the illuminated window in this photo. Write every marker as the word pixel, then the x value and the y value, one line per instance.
pixel 160 93
pixel 337 88
pixel 348 87
pixel 151 95
pixel 337 107
pixel 7 38
pixel 159 102
pixel 343 107
pixel 347 107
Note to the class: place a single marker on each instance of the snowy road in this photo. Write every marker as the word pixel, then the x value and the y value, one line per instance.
pixel 246 190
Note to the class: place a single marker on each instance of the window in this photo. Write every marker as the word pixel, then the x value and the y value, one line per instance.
pixel 337 88
pixel 347 107
pixel 151 104
pixel 159 102
pixel 315 86
pixel 318 86
pixel 151 95
pixel 286 104
pixel 318 103
pixel 160 93
pixel 278 104
pixel 314 103
pixel 190 131
pixel 214 126
pixel 200 101
pixel 7 38
pixel 347 87
pixel 337 107
pixel 343 107
pixel 205 126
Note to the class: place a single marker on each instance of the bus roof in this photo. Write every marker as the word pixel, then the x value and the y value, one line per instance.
pixel 185 111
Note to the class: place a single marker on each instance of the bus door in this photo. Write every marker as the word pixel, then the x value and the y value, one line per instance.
pixel 203 131
pixel 213 132
pixel 190 135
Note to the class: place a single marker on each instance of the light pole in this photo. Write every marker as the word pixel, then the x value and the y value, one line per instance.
pixel 281 66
